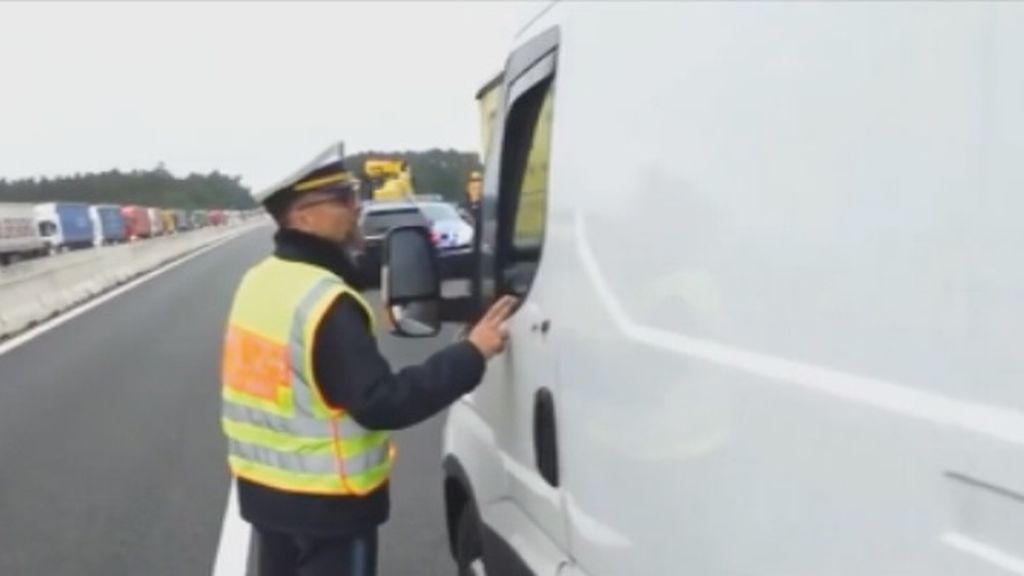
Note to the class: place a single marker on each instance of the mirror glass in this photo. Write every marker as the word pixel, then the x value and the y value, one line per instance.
pixel 410 270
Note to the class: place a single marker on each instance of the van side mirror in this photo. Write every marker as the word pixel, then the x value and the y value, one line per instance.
pixel 410 283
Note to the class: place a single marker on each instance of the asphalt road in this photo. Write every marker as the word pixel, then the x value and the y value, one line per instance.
pixel 111 455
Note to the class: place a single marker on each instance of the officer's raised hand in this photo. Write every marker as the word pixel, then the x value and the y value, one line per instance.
pixel 490 335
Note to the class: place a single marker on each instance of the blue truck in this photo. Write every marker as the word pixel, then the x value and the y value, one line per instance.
pixel 108 225
pixel 65 225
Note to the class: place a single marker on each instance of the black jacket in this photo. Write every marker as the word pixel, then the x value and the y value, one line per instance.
pixel 353 374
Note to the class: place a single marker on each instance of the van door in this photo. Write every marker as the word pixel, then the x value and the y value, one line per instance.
pixel 520 397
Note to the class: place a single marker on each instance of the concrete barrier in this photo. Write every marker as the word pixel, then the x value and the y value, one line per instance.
pixel 34 291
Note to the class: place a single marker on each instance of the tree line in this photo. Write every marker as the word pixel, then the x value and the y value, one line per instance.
pixel 156 187
pixel 435 171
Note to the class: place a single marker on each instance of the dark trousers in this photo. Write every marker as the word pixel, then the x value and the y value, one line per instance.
pixel 282 554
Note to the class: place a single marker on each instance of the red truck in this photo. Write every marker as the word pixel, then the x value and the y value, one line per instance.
pixel 137 223
pixel 218 218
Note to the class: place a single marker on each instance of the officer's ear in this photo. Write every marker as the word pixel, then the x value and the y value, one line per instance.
pixel 296 219
pixel 292 217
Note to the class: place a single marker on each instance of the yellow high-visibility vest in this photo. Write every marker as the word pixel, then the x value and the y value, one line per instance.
pixel 281 432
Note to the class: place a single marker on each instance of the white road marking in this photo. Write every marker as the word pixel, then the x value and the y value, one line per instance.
pixel 233 548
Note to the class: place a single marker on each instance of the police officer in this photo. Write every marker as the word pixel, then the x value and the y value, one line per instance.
pixel 308 399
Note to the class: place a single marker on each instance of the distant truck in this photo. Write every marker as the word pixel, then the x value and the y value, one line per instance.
pixel 200 219
pixel 137 223
pixel 181 221
pixel 19 236
pixel 108 225
pixel 167 221
pixel 64 225
pixel 217 218
pixel 156 223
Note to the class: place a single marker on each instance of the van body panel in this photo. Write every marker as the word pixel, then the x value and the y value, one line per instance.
pixel 782 277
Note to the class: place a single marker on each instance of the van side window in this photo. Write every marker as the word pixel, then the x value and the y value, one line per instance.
pixel 531 210
pixel 524 187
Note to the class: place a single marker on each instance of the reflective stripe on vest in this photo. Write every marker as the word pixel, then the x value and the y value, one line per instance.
pixel 281 433
pixel 298 426
pixel 306 463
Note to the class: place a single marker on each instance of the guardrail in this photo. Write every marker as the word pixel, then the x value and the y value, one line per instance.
pixel 37 290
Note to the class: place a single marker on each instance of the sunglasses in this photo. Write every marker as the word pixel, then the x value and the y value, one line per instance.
pixel 332 199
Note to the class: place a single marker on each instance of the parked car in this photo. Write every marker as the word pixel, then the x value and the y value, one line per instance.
pixel 375 220
pixel 452 237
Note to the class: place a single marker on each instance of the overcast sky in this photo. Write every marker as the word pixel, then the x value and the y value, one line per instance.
pixel 254 89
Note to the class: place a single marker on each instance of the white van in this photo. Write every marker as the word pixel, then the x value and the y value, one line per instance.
pixel 772 319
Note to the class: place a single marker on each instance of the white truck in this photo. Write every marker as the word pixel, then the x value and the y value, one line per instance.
pixel 19 235
pixel 156 222
pixel 772 316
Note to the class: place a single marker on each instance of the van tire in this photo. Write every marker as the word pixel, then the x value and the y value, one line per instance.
pixel 468 545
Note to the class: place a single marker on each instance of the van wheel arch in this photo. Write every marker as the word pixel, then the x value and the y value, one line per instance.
pixel 458 493
pixel 460 506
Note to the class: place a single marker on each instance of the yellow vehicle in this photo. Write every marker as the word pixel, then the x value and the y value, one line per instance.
pixel 489 99
pixel 168 222
pixel 532 203
pixel 389 180
pixel 475 186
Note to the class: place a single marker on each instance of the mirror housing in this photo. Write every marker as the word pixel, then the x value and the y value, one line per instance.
pixel 410 282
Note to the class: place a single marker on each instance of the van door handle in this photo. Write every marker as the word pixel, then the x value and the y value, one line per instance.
pixel 541 327
pixel 545 436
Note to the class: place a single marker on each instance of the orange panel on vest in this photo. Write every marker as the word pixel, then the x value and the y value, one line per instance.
pixel 254 365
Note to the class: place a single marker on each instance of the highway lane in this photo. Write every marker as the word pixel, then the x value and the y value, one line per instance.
pixel 111 455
